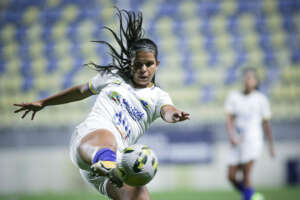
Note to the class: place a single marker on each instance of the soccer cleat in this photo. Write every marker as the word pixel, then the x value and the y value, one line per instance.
pixel 108 169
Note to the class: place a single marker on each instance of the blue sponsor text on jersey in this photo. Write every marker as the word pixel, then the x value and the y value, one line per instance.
pixel 133 111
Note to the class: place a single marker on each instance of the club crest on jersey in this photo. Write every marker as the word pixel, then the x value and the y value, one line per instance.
pixel 135 114
pixel 115 97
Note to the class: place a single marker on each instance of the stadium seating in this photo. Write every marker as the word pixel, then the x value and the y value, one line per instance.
pixel 203 45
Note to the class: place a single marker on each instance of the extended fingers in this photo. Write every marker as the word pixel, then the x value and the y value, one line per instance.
pixel 26 112
pixel 186 115
pixel 20 109
pixel 33 114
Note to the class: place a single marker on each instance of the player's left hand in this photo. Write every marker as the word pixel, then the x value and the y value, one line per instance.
pixel 179 116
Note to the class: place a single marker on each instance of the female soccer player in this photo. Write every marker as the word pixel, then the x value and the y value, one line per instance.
pixel 128 102
pixel 247 112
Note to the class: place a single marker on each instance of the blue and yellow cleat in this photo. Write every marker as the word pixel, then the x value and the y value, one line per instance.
pixel 108 169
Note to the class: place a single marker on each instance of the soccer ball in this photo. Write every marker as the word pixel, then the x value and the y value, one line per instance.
pixel 257 196
pixel 138 165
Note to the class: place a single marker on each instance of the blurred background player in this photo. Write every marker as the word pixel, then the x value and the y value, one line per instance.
pixel 128 102
pixel 248 111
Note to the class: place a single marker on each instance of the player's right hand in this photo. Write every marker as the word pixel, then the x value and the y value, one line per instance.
pixel 27 107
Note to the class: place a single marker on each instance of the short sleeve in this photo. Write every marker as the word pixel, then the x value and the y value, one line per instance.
pixel 102 79
pixel 163 99
pixel 266 110
pixel 230 105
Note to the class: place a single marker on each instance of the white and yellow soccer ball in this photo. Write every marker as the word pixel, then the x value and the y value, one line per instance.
pixel 138 165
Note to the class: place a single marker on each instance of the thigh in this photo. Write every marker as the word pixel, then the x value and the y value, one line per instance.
pixel 127 192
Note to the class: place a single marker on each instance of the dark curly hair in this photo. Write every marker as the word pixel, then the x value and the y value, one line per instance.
pixel 130 40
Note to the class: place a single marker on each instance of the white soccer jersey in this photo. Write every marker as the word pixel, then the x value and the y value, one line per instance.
pixel 249 111
pixel 131 110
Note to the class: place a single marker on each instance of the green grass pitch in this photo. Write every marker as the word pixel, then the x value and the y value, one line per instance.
pixel 289 193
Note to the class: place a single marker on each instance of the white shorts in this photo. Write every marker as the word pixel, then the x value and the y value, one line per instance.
pixel 244 152
pixel 82 130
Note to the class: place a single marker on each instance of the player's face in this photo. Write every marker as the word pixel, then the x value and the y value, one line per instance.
pixel 250 81
pixel 143 68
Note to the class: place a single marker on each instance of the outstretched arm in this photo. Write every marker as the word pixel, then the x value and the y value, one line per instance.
pixel 172 115
pixel 267 130
pixel 75 93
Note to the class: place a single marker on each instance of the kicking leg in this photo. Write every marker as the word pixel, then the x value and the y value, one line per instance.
pixel 94 141
pixel 99 145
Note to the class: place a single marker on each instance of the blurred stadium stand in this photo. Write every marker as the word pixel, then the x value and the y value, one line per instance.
pixel 203 47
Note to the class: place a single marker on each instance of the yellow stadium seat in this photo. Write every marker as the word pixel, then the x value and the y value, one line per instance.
pixel 228 7
pixel 195 42
pixel 11 85
pixel 106 11
pixel 69 13
pixel 251 40
pixel 85 32
pixel 278 39
pixel 8 32
pixel 59 31
pixel 255 56
pixel 282 56
pixel 246 22
pixel 53 3
pixel 88 50
pixel 223 42
pixel 219 24
pixel 62 48
pixel 199 59
pixel 65 64
pixel 34 32
pixel 164 27
pixel 274 22
pixel 297 20
pixel 10 50
pixel 36 49
pixel 13 66
pixel 31 15
pixel 192 26
pixel 187 9
pixel 150 10
pixel 269 6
